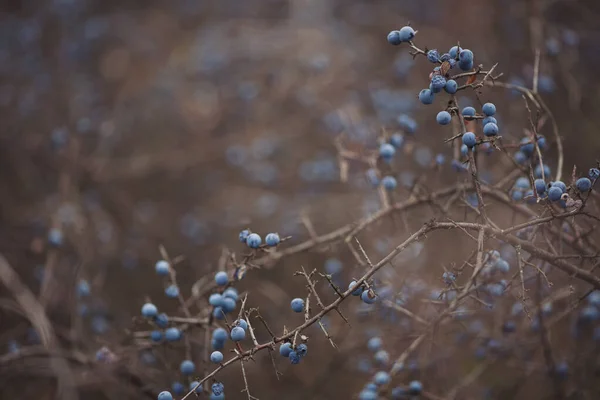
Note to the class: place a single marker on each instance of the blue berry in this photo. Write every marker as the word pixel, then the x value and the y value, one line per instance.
pixel 368 296
pixel 285 349
pixel 426 96
pixel 527 146
pixel 407 33
pixel 272 239
pixel 55 237
pixel 244 235
pixel 382 378
pixel 382 357
pixel 490 129
pixel 216 300
pixel 221 278
pixel 232 293
pixel 302 349
pixel 228 304
pixel 217 345
pixel 520 157
pixel 217 388
pixel 83 288
pixel 451 86
pixel 294 357
pixel 448 277
pixel 537 172
pixel 445 57
pixel 162 268
pixel 149 310
pixel 516 195
pixel 161 320
pixel 253 241
pixel 394 38
pixel 415 387
pixel 216 357
pixel 374 343
pixel 502 265
pixel 397 140
pixel 561 185
pixel 398 393
pixel 583 184
pixel 196 387
pixel 433 56
pixel 522 183
pixel 454 51
pixel 172 335
pixel 438 82
pixel 187 367
pixel 387 151
pixel 465 56
pixel 219 334
pixel 297 305
pixel 440 159
pixel 554 193
pixel 178 388
pixel 358 291
pixel 172 291
pixel 465 65
pixel 487 120
pixel 443 118
pixel 156 336
pixel 217 397
pixel 389 182
pixel 489 109
pixel 407 123
pixel 241 323
pixel 540 186
pixel 594 173
pixel 238 334
pixel 469 139
pixel 468 112
pixel 165 396
pixel 367 395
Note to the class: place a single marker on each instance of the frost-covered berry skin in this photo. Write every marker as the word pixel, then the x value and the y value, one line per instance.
pixel 594 173
pixel 228 304
pixel 387 151
pixel 389 182
pixel 187 367
pixel 489 109
pixel 165 395
pixel 241 323
pixel 358 291
pixel 217 397
pixel 238 334
pixel 490 129
pixel 161 320
pixel 172 291
pixel 407 33
pixel 272 239
pixel 540 186
pixel 443 118
pixel 162 268
pixel 216 357
pixel 156 336
pixel 217 388
pixel 297 305
pixel 487 120
pixel 454 51
pixel 433 56
pixel 468 112
pixel 469 139
pixel 253 241
pixel 302 350
pixel 415 388
pixel 382 378
pixel 368 297
pixel 172 334
pixel 394 38
pixel 232 293
pixel 219 334
pixel 426 96
pixel 583 184
pixel 438 82
pixel 465 65
pixel 244 235
pixel 465 55
pixel 285 349
pixel 221 278
pixel 561 185
pixel 382 357
pixel 294 357
pixel 149 310
pixel 216 300
pixel 451 86
pixel 554 193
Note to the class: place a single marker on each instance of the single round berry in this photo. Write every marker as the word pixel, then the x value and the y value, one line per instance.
pixel 382 378
pixel 187 367
pixel 443 118
pixel 241 323
pixel 387 151
pixel 156 336
pixel 285 349
pixel 238 334
pixel 438 82
pixel 368 296
pixel 162 268
pixel 522 183
pixel 487 120
pixel 217 388
pixel 294 357
pixel 216 300
pixel 469 139
pixel 253 241
pixel 302 349
pixel 407 33
pixel 426 96
pixel 216 357
pixel 165 395
pixel 540 186
pixel 172 291
pixel 389 182
pixel 465 55
pixel 297 305
pixel 489 109
pixel 594 173
pixel 561 185
pixel 228 304
pixel 415 388
pixel 490 129
pixel 178 388
pixel 465 65
pixel 232 293
pixel 583 184
pixel 55 237
pixel 83 288
pixel 221 278
pixel 356 292
pixel 394 38
pixel 554 193
pixel 375 343
pixel 454 51
pixel 195 387
pixel 468 112
pixel 161 320
pixel 464 150
pixel 433 56
pixel 451 86
pixel 219 334
pixel 172 334
pixel 244 235
pixel 272 239
pixel 382 357
pixel 397 140
pixel 149 310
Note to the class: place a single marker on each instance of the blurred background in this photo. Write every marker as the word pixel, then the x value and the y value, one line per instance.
pixel 126 125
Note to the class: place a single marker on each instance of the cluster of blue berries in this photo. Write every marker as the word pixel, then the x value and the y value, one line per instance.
pixel 367 294
pixel 254 241
pixel 295 354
